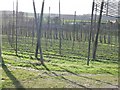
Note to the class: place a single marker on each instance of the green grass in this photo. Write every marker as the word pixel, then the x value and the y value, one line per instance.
pixel 63 64
pixel 16 77
pixel 66 70
pixel 74 61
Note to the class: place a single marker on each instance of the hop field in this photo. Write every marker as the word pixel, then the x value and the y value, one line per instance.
pixel 68 69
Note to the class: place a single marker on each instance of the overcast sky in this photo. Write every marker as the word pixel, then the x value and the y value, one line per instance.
pixel 67 6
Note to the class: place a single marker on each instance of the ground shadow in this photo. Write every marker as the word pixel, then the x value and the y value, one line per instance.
pixel 87 77
pixel 106 61
pixel 46 67
pixel 39 64
pixel 15 81
pixel 55 74
pixel 20 56
pixel 70 81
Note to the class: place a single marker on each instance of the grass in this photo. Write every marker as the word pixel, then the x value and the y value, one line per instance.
pixel 61 71
pixel 29 78
pixel 62 74
pixel 38 79
pixel 76 66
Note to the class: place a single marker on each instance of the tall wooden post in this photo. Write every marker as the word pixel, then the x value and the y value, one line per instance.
pixel 90 32
pixel 119 41
pixel 98 30
pixel 39 27
pixel 16 25
pixel 74 30
pixel 60 41
pixel 1 39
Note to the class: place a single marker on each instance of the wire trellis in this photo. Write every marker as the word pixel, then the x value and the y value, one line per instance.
pixel 110 7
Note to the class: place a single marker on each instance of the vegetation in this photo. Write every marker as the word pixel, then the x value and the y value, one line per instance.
pixel 68 69
pixel 29 78
pixel 54 54
pixel 62 71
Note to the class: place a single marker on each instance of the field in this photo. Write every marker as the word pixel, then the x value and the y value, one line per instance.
pixel 68 70
pixel 60 50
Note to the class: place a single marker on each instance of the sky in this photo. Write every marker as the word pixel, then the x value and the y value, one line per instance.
pixel 67 6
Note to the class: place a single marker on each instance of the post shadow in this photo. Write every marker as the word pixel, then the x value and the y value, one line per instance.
pixel 70 81
pixel 40 64
pixel 15 81
pixel 88 77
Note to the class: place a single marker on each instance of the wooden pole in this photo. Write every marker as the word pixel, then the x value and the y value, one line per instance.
pixel 16 25
pixel 74 28
pixel 98 30
pixel 90 33
pixel 60 41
